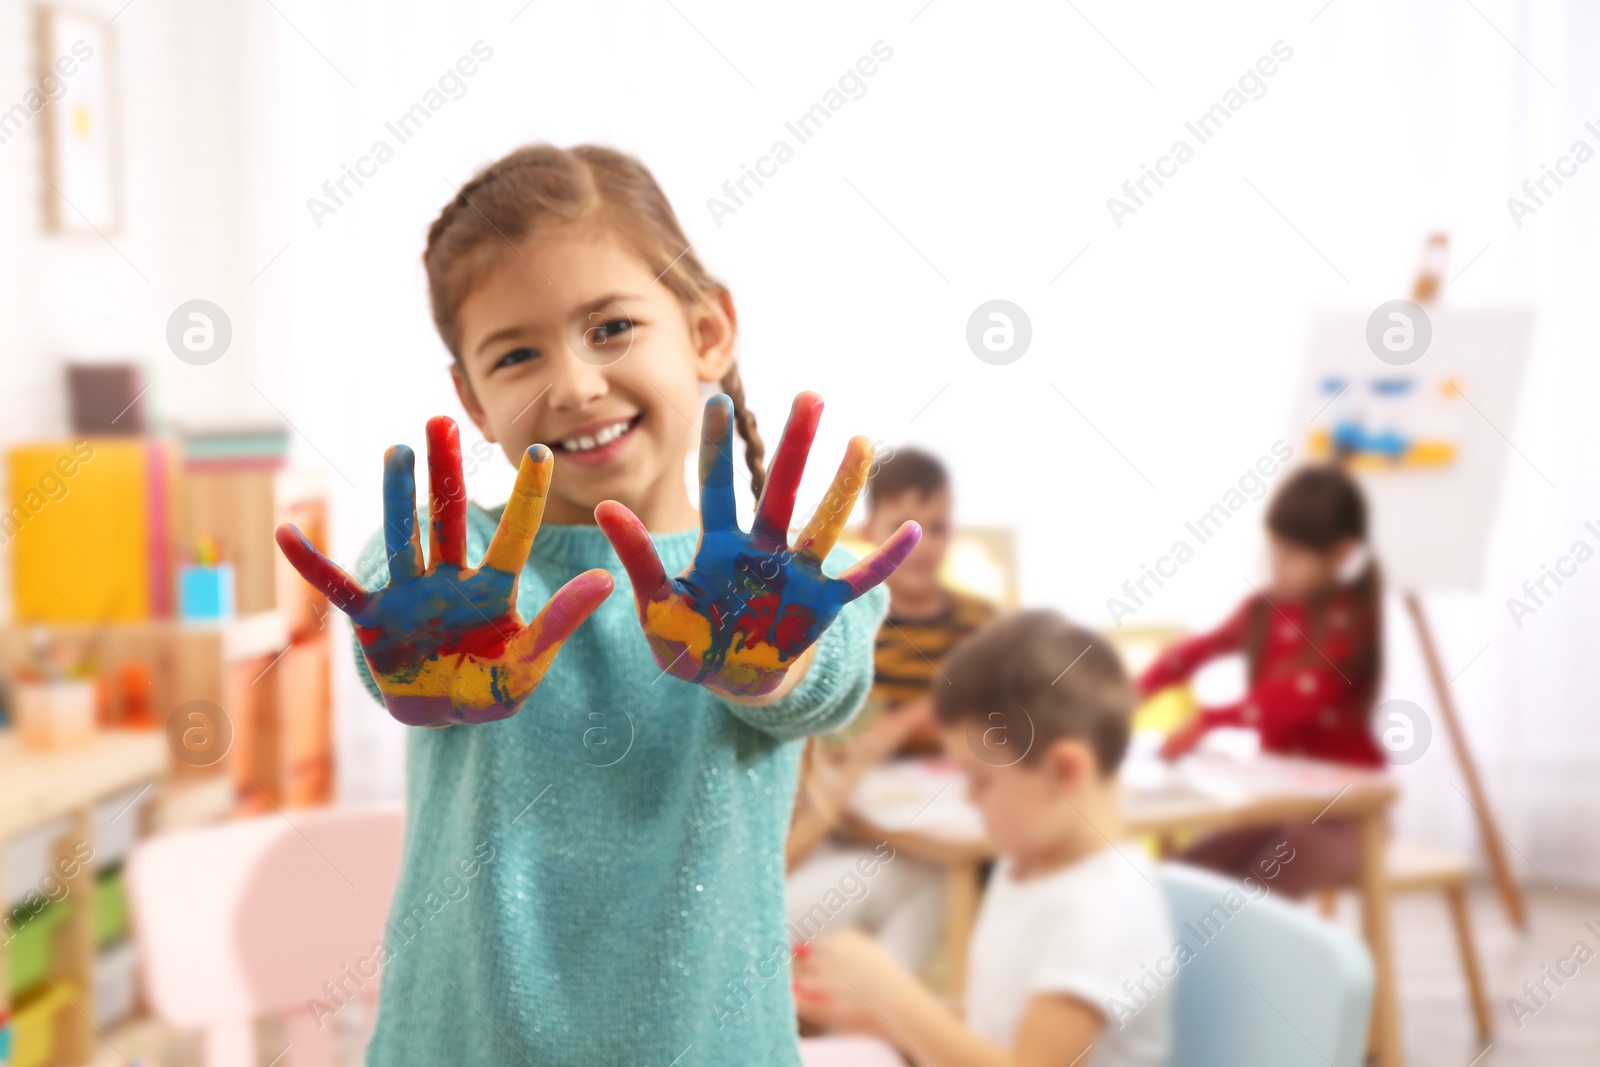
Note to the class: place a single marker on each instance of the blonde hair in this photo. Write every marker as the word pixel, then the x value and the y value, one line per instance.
pixel 542 187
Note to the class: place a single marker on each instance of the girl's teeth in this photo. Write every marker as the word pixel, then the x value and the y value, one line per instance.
pixel 604 437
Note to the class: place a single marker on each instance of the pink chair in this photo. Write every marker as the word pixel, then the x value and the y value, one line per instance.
pixel 848 1052
pixel 265 917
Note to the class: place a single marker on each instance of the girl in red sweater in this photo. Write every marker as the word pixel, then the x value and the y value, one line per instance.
pixel 1313 644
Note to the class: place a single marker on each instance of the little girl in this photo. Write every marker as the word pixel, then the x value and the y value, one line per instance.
pixel 598 879
pixel 1313 643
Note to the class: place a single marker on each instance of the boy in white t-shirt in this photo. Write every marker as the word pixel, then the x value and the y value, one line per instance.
pixel 1036 712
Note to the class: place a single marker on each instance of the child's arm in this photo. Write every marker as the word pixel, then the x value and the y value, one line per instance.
pixel 831 769
pixel 753 619
pixel 1287 700
pixel 847 982
pixel 1177 663
pixel 445 644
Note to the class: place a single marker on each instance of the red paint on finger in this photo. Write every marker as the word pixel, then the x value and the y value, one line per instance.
pixel 447 492
pixel 323 574
pixel 788 465
pixel 572 603
pixel 633 546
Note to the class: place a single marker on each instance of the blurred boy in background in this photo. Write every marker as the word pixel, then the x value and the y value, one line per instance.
pixel 1037 714
pixel 926 619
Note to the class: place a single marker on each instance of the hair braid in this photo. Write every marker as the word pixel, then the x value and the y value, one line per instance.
pixel 744 420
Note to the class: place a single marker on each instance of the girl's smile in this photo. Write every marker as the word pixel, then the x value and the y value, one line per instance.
pixel 597 443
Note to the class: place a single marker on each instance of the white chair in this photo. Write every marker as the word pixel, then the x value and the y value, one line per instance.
pixel 249 919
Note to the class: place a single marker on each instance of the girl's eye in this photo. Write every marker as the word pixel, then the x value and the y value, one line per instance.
pixel 600 334
pixel 512 358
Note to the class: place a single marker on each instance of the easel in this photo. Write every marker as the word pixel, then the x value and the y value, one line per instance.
pixel 1429 281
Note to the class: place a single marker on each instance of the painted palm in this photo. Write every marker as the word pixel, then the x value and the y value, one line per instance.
pixel 750 605
pixel 445 642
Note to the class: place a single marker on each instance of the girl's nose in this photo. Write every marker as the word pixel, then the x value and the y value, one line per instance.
pixel 577 382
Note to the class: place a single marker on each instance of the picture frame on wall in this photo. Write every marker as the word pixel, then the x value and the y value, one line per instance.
pixel 75 70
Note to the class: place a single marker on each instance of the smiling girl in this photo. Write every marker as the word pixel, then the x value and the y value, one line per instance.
pixel 638 803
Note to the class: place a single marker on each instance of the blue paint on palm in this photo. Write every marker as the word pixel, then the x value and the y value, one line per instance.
pixel 422 615
pixel 753 596
pixel 750 605
pixel 445 611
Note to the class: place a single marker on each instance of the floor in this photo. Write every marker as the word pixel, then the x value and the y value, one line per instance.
pixel 1435 1015
pixel 1437 1020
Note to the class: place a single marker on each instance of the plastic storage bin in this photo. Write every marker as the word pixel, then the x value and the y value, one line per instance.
pixel 110 907
pixel 33 947
pixel 114 984
pixel 33 1027
pixel 115 823
pixel 31 858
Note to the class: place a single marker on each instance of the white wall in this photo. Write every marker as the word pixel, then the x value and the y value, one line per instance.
pixel 184 81
pixel 977 165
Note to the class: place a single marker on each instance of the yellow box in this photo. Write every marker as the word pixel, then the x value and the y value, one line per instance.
pixel 79 524
pixel 33 1028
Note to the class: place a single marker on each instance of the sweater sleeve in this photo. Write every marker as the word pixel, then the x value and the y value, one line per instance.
pixel 1284 703
pixel 1183 659
pixel 840 676
pixel 1286 700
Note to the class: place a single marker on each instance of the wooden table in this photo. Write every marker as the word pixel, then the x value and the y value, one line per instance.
pixel 1226 795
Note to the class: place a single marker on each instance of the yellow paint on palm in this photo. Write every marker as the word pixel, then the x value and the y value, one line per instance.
pixel 672 620
pixel 471 682
pixel 675 621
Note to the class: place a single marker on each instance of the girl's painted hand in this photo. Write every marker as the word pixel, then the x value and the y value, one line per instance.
pixel 750 605
pixel 445 643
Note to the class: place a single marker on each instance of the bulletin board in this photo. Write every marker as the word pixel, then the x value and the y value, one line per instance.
pixel 1427 439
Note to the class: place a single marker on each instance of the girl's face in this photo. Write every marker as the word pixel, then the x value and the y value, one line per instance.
pixel 1299 573
pixel 571 341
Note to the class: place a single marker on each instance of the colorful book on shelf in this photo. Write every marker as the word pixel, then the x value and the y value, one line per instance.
pixel 235 447
pixel 87 525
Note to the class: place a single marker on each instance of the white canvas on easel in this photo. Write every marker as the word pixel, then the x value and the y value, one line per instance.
pixel 1438 428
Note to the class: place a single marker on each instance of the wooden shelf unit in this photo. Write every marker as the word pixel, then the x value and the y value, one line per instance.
pixel 37 788
pixel 272 690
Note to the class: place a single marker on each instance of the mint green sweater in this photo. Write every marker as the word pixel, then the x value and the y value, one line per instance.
pixel 599 879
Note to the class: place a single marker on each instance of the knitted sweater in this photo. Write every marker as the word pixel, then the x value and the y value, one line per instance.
pixel 599 879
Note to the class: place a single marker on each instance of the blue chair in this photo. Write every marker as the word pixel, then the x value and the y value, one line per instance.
pixel 1263 983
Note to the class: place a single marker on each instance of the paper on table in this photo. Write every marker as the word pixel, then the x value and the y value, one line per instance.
pixel 926 795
